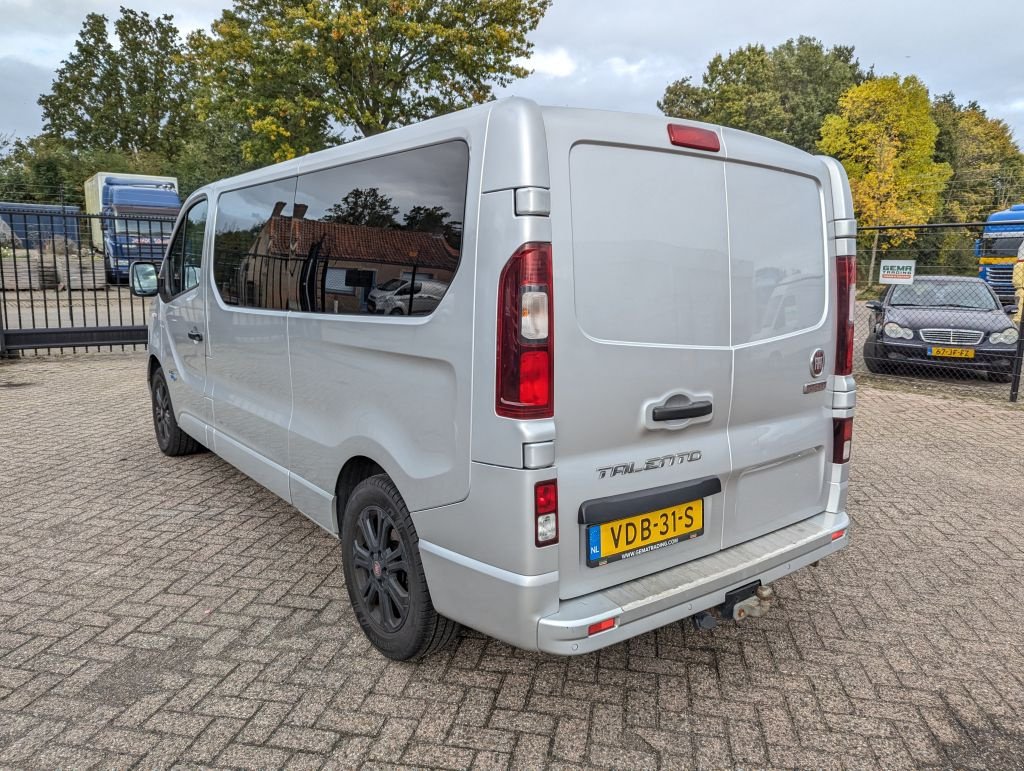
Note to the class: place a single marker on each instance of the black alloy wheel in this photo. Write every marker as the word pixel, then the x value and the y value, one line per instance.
pixel 172 440
pixel 384 574
pixel 381 569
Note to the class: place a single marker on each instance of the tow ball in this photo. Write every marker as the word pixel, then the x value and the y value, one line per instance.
pixel 750 601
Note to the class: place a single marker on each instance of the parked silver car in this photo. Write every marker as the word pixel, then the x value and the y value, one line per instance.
pixel 539 456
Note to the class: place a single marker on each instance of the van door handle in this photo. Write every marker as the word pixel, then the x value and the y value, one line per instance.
pixel 194 334
pixel 682 411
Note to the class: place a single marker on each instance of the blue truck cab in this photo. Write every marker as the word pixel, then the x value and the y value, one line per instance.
pixel 137 223
pixel 997 250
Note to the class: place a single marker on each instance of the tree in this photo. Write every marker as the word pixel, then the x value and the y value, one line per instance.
pixel 988 167
pixel 885 137
pixel 364 206
pixel 783 93
pixel 133 97
pixel 292 71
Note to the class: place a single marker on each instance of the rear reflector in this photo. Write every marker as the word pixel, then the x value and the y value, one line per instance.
pixel 693 137
pixel 842 439
pixel 838 534
pixel 600 626
pixel 846 298
pixel 545 513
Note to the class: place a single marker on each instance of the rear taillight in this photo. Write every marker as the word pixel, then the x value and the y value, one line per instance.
pixel 842 439
pixel 545 513
pixel 846 297
pixel 525 384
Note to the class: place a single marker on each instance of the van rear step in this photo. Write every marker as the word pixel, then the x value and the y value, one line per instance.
pixel 596 620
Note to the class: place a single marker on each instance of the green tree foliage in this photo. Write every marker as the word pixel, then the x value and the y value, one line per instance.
pixel 988 167
pixel 132 97
pixel 291 71
pixel 884 135
pixel 784 93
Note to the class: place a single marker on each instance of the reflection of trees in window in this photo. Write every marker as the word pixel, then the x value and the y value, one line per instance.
pixel 364 206
pixel 434 219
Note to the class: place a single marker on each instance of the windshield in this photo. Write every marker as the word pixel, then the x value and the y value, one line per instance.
pixel 945 294
pixel 1000 247
pixel 391 285
pixel 143 228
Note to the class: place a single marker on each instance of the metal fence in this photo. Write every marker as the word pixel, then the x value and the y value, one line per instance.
pixel 63 278
pixel 936 306
pixel 923 315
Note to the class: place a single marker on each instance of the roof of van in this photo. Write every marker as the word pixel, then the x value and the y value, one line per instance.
pixel 518 124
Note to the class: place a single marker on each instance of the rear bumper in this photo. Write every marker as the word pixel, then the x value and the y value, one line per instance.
pixel 525 610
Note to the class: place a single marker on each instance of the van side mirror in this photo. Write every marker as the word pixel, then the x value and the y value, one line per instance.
pixel 1010 308
pixel 874 305
pixel 142 279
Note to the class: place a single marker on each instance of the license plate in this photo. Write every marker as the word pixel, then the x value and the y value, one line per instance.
pixel 952 353
pixel 644 533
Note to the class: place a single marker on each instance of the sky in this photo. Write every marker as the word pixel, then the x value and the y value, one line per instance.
pixel 621 55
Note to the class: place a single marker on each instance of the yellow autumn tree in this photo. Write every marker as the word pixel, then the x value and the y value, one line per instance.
pixel 884 136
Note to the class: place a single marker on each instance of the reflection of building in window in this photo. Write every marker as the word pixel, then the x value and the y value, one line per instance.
pixel 332 267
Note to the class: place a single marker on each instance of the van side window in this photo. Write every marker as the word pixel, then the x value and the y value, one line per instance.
pixel 185 254
pixel 380 236
pixel 251 266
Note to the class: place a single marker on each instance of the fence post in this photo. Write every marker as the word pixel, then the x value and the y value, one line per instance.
pixel 1015 385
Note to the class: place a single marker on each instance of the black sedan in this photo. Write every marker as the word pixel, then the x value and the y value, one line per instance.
pixel 942 322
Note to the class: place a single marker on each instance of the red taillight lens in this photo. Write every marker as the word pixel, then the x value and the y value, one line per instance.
pixel 846 297
pixel 838 534
pixel 545 513
pixel 691 136
pixel 525 375
pixel 600 626
pixel 842 439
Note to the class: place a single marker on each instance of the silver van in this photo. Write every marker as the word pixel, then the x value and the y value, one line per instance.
pixel 630 404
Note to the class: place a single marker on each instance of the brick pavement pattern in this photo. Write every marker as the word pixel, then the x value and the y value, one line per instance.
pixel 158 612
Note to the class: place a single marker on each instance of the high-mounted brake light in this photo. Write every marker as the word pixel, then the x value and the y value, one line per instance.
pixel 545 513
pixel 525 384
pixel 842 439
pixel 846 298
pixel 693 137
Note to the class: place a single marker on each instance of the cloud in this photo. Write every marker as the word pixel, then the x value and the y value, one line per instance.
pixel 21 83
pixel 551 63
pixel 622 68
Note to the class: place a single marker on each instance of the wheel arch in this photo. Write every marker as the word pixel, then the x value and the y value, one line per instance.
pixel 355 470
pixel 154 365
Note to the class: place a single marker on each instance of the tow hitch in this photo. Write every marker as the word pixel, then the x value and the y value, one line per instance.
pixel 750 601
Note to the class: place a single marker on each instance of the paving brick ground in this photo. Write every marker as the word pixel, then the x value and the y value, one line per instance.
pixel 158 611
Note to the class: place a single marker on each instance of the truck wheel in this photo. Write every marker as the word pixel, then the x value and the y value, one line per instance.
pixel 172 440
pixel 384 574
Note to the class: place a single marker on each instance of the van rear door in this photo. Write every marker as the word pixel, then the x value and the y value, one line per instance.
pixel 643 366
pixel 677 273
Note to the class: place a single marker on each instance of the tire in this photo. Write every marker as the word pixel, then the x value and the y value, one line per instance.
pixel 384 574
pixel 172 440
pixel 1000 377
pixel 396 312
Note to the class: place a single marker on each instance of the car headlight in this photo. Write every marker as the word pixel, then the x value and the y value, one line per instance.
pixel 1008 336
pixel 892 329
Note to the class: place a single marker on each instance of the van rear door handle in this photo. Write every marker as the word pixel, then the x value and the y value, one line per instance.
pixel 682 411
pixel 194 334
